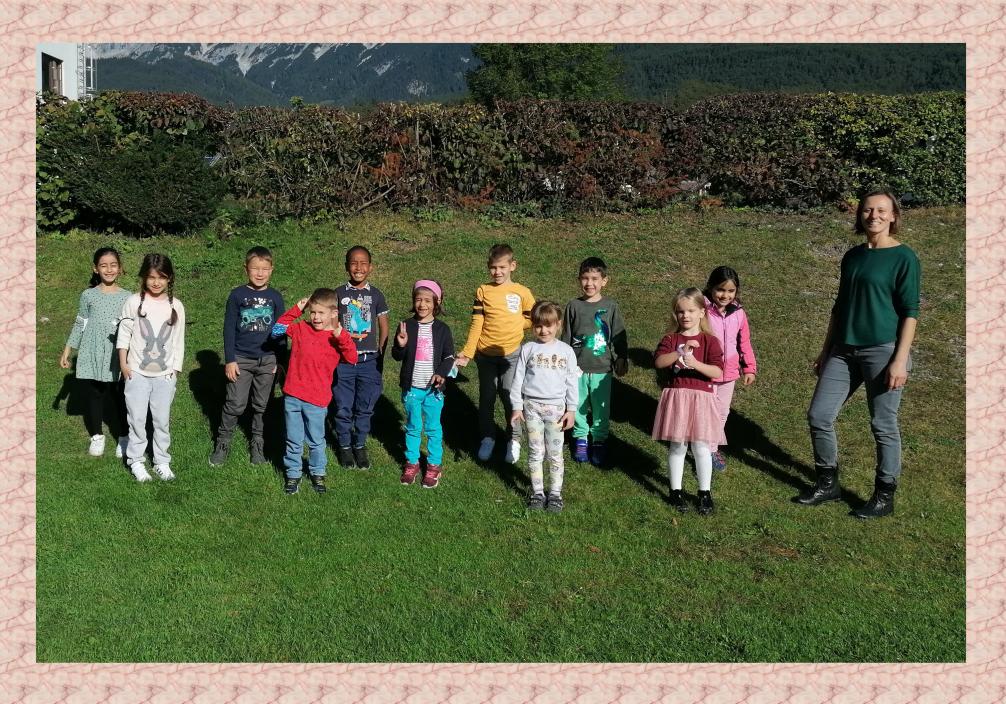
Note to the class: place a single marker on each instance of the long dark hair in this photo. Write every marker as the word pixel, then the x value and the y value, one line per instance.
pixel 161 264
pixel 718 276
pixel 95 277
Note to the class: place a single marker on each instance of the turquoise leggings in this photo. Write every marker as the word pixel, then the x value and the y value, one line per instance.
pixel 422 413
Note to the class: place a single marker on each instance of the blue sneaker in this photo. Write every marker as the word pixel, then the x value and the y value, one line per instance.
pixel 719 462
pixel 598 453
pixel 579 449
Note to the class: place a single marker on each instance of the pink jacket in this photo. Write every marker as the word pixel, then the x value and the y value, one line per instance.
pixel 735 338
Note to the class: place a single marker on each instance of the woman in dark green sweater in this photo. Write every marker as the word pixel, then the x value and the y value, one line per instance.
pixel 868 342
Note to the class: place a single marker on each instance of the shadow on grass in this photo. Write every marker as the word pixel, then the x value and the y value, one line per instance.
pixel 74 392
pixel 632 406
pixel 207 384
pixel 461 437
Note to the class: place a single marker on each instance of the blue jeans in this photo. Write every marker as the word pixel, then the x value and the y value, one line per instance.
pixel 356 390
pixel 422 412
pixel 842 373
pixel 304 421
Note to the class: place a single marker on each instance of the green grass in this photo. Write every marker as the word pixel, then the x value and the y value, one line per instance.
pixel 219 565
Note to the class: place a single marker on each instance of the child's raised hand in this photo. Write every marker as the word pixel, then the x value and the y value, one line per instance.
pixel 461 361
pixel 566 422
pixel 232 371
pixel 749 379
pixel 336 324
pixel 402 338
pixel 302 303
pixel 621 366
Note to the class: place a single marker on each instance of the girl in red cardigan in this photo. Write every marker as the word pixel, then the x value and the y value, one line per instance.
pixel 687 410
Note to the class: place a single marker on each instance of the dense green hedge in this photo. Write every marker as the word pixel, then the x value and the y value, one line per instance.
pixel 792 151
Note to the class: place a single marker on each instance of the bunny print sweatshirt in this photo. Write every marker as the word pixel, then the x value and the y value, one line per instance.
pixel 156 347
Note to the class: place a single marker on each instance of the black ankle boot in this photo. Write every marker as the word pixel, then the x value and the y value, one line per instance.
pixel 825 488
pixel 881 503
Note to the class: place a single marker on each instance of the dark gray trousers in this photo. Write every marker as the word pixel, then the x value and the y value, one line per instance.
pixel 253 383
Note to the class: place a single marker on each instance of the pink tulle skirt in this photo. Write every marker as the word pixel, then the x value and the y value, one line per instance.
pixel 688 415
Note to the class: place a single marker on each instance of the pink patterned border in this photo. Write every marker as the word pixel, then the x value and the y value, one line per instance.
pixel 982 25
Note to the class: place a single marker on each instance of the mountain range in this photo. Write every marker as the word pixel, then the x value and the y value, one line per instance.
pixel 356 75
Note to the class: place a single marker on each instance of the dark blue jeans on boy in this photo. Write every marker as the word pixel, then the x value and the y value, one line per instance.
pixel 355 393
pixel 304 421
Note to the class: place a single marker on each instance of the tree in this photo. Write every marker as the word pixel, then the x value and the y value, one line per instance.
pixel 558 71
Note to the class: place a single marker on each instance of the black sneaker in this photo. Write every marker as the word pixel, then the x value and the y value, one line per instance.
pixel 360 456
pixel 678 500
pixel 554 503
pixel 318 483
pixel 255 451
pixel 220 452
pixel 291 485
pixel 705 503
pixel 536 502
pixel 346 458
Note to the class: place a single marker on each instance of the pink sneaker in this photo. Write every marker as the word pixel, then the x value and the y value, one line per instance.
pixel 409 472
pixel 432 476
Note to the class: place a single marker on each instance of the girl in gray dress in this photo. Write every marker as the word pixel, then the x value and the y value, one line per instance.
pixel 93 336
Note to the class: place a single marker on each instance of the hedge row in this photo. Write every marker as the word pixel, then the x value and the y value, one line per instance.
pixel 792 151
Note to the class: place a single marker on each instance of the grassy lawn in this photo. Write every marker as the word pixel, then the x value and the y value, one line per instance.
pixel 220 565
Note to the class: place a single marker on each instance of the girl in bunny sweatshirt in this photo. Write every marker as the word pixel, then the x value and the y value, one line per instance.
pixel 151 346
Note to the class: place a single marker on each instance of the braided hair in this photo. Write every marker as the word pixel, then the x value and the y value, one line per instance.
pixel 160 264
pixel 103 251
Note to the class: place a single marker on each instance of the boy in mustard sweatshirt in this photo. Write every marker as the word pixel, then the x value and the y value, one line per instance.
pixel 500 315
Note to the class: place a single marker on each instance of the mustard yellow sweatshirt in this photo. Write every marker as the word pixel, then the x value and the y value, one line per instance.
pixel 500 315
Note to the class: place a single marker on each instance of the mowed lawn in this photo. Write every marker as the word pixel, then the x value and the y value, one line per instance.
pixel 220 565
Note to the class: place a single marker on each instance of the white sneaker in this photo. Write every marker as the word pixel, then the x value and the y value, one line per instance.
pixel 512 451
pixel 486 449
pixel 139 471
pixel 120 446
pixel 97 446
pixel 164 472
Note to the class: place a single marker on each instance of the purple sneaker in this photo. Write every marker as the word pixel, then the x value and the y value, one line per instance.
pixel 579 449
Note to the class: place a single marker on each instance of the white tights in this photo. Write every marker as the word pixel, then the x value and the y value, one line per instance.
pixel 703 464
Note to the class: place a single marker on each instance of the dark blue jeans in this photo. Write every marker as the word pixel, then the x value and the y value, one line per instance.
pixel 355 393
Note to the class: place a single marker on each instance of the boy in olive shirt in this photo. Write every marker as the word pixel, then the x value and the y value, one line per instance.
pixel 593 326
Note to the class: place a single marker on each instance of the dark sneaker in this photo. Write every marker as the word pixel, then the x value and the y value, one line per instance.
pixel 432 476
pixel 536 502
pixel 220 452
pixel 360 456
pixel 554 503
pixel 318 483
pixel 291 486
pixel 409 472
pixel 346 458
pixel 598 454
pixel 255 451
pixel 705 503
pixel 678 500
pixel 719 461
pixel 579 449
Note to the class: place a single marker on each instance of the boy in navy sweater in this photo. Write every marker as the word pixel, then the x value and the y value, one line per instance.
pixel 249 354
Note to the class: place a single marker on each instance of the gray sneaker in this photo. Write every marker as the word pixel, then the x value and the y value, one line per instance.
pixel 554 504
pixel 220 452
pixel 256 452
pixel 536 502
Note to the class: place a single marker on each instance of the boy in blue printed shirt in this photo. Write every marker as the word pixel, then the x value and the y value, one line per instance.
pixel 363 312
pixel 249 354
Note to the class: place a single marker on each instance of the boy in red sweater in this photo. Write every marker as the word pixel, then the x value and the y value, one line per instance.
pixel 317 346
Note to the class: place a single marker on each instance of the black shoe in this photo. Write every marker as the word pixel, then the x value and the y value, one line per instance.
pixel 880 504
pixel 255 451
pixel 825 489
pixel 705 503
pixel 291 486
pixel 360 456
pixel 678 500
pixel 346 458
pixel 318 483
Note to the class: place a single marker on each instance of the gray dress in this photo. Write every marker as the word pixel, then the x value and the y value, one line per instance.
pixel 93 334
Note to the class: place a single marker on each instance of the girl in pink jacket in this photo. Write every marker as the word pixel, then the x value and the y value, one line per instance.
pixel 729 325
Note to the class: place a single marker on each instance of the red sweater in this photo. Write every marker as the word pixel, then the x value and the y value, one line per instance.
pixel 313 359
pixel 708 352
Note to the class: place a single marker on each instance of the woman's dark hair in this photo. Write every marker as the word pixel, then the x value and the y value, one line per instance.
pixel 161 264
pixel 718 276
pixel 438 305
pixel 895 208
pixel 95 277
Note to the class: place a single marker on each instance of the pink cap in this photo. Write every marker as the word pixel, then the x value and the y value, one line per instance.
pixel 432 285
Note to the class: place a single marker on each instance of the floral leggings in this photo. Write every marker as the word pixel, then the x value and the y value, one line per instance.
pixel 544 439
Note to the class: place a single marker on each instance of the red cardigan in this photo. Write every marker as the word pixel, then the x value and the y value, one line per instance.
pixel 313 359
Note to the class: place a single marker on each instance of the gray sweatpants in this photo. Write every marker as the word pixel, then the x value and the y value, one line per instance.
pixel 495 379
pixel 253 383
pixel 842 373
pixel 154 393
